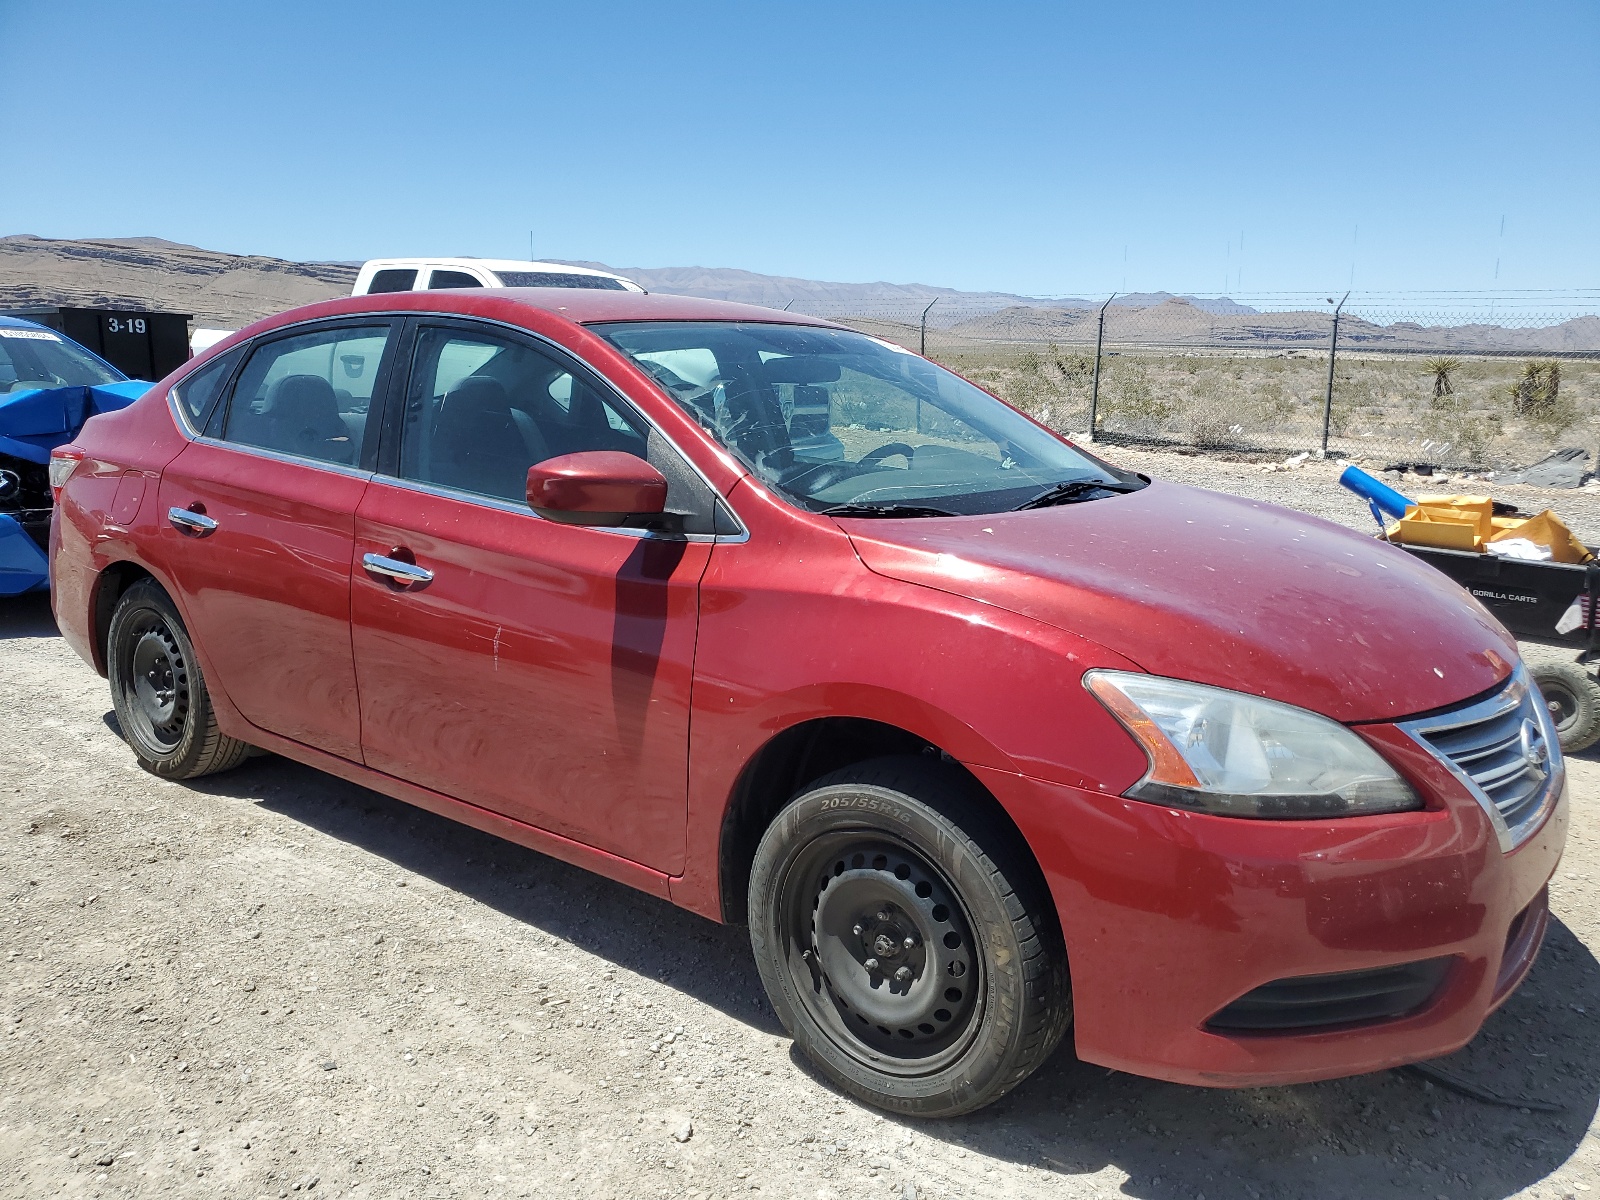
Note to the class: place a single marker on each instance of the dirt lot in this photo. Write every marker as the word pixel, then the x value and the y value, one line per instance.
pixel 278 984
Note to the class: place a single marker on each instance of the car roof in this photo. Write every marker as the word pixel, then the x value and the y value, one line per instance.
pixel 580 306
pixel 590 307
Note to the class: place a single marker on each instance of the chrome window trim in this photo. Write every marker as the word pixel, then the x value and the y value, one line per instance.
pixel 743 535
pixel 175 406
pixel 1510 697
pixel 511 506
pixel 180 414
pixel 279 456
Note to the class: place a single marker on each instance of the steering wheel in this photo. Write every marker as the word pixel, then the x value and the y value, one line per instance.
pixel 821 477
pixel 873 457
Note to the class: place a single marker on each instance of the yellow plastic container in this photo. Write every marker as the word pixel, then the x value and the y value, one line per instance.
pixel 1441 527
pixel 1479 508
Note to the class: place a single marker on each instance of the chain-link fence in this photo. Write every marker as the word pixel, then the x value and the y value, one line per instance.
pixel 1455 379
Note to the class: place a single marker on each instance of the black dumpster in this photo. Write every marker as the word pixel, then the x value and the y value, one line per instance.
pixel 142 345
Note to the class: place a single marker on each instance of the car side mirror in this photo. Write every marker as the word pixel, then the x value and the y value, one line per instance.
pixel 595 487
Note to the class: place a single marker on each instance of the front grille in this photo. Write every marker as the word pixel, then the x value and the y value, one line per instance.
pixel 25 496
pixel 36 524
pixel 1504 749
pixel 1308 1002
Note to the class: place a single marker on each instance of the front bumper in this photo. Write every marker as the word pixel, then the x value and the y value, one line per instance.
pixel 23 565
pixel 1171 916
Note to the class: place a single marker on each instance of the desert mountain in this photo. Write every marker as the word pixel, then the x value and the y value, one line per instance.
pixel 230 290
pixel 220 290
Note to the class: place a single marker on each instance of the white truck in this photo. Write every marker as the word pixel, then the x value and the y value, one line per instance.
pixel 432 274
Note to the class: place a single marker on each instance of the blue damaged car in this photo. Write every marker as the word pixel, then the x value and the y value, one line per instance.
pixel 49 386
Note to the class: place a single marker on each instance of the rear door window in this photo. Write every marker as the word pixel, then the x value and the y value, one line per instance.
pixel 393 280
pixel 309 394
pixel 452 279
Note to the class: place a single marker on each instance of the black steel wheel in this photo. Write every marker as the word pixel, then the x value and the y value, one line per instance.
pixel 1573 699
pixel 921 971
pixel 894 968
pixel 158 692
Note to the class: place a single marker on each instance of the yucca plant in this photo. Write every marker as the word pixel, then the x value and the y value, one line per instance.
pixel 1441 368
pixel 1537 393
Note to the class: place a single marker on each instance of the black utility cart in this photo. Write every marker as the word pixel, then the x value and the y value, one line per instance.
pixel 1530 599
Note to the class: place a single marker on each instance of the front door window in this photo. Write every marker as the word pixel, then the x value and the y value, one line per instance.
pixel 482 409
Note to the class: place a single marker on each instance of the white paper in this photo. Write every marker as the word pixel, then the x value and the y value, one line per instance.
pixel 1520 548
pixel 30 335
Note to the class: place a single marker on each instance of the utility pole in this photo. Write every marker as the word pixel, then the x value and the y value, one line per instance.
pixel 1333 350
pixel 1094 391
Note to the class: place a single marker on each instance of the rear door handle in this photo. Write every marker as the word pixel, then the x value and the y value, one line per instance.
pixel 188 521
pixel 396 569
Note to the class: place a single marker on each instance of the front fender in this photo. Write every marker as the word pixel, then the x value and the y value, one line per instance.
pixel 814 634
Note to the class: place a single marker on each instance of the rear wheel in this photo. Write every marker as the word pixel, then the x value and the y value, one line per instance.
pixel 1573 698
pixel 158 692
pixel 920 969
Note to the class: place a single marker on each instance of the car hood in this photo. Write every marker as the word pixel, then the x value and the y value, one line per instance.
pixel 1219 590
pixel 32 423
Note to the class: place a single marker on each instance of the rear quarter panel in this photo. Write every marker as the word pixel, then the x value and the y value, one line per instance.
pixel 105 513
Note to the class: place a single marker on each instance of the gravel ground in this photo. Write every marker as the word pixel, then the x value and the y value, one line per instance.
pixel 276 984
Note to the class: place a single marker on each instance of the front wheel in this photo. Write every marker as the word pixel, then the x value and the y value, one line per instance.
pixel 157 690
pixel 921 969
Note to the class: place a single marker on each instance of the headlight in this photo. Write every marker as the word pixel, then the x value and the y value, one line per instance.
pixel 1224 752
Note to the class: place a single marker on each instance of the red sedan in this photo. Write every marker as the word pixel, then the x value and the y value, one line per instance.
pixel 985 738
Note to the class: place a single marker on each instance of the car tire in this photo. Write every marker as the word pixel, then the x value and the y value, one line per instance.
pixel 920 967
pixel 159 693
pixel 1573 698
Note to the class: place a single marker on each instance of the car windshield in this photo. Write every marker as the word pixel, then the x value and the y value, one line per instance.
pixel 832 419
pixel 31 359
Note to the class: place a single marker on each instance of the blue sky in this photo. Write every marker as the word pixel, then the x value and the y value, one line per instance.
pixel 1039 148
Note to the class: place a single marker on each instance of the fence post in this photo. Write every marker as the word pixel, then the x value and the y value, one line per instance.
pixel 922 340
pixel 1333 349
pixel 922 349
pixel 1094 391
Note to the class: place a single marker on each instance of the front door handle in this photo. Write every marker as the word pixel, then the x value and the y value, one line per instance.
pixel 186 520
pixel 396 569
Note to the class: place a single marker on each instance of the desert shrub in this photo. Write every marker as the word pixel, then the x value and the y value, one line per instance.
pixel 1074 369
pixel 1210 424
pixel 1538 390
pixel 1537 397
pixel 1131 397
pixel 1467 430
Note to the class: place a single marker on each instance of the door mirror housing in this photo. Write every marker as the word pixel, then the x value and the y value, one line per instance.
pixel 595 487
